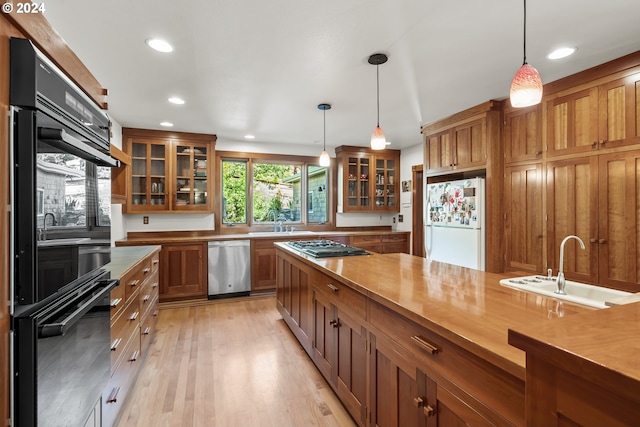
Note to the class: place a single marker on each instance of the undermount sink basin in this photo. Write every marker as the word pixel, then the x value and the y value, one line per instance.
pixel 62 242
pixel 282 233
pixel 579 293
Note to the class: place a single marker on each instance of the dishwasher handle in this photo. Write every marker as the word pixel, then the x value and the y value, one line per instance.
pixel 229 243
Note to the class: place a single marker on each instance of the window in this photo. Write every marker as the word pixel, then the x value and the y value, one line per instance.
pixel 263 190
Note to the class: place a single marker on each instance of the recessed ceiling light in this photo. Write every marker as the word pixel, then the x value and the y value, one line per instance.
pixel 166 124
pixel 176 100
pixel 387 143
pixel 562 52
pixel 159 45
pixel 250 137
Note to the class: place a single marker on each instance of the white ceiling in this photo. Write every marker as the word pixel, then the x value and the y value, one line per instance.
pixel 261 67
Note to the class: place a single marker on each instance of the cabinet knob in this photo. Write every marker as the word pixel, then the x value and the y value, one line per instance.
pixel 418 401
pixel 593 240
pixel 334 323
pixel 604 141
pixel 429 411
pixel 602 241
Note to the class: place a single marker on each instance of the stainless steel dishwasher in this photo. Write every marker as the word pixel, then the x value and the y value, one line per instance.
pixel 229 268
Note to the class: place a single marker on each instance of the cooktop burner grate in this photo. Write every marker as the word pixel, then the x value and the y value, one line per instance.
pixel 326 248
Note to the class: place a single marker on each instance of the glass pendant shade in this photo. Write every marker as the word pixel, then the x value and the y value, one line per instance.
pixel 378 140
pixel 526 87
pixel 325 160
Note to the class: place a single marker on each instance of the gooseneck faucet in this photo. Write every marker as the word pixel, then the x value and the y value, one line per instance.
pixel 274 219
pixel 560 280
pixel 54 222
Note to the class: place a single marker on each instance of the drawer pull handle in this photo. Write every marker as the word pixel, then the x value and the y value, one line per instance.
pixel 115 344
pixel 147 330
pixel 418 401
pixel 133 283
pixel 134 316
pixel 134 356
pixel 113 396
pixel 155 313
pixel 429 411
pixel 154 285
pixel 156 261
pixel 333 287
pixel 602 241
pixel 425 344
pixel 146 298
pixel 115 302
pixel 146 270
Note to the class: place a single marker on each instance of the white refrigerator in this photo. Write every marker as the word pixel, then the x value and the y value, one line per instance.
pixel 454 223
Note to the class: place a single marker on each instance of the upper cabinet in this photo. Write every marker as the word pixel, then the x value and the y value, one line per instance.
pixel 605 115
pixel 523 134
pixel 368 181
pixel 169 172
pixel 464 141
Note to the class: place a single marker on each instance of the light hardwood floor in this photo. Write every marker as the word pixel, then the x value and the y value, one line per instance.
pixel 229 364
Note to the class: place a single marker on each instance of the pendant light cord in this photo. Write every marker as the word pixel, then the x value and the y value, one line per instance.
pixel 524 38
pixel 324 130
pixel 378 91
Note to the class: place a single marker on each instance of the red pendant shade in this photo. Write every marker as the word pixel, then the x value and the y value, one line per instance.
pixel 526 87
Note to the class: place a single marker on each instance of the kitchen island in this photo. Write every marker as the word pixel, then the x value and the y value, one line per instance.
pixel 405 341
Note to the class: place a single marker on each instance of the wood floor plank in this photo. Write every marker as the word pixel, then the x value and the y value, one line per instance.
pixel 229 364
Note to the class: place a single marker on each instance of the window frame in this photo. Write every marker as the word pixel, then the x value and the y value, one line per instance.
pixel 252 158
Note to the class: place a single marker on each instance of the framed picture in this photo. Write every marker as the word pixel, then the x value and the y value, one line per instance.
pixel 406 186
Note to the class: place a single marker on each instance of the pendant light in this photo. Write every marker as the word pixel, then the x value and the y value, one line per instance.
pixel 526 86
pixel 378 140
pixel 325 160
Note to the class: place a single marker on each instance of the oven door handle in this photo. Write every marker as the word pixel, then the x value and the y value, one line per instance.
pixel 48 330
pixel 61 139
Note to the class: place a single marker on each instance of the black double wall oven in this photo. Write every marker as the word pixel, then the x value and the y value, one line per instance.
pixel 61 240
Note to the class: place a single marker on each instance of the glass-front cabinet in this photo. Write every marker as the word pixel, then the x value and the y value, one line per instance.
pixel 148 175
pixel 169 172
pixel 367 180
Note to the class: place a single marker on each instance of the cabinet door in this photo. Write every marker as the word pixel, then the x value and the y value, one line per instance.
pixel 148 175
pixel 470 145
pixel 395 400
pixel 263 265
pixel 523 134
pixel 386 184
pixel 324 343
pixel 351 372
pixel 192 173
pixel 572 207
pixel 524 217
pixel 619 112
pixel 358 190
pixel 439 152
pixel 184 272
pixel 618 239
pixel 572 123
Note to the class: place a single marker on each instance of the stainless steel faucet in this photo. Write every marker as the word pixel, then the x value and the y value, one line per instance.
pixel 274 219
pixel 44 224
pixel 560 280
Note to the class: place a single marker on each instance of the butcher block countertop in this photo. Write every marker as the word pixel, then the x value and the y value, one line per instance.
pixel 468 307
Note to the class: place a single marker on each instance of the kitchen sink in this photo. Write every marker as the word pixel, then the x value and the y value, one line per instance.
pixel 579 293
pixel 282 233
pixel 62 242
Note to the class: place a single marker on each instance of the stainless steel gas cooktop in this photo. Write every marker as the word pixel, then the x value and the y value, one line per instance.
pixel 325 248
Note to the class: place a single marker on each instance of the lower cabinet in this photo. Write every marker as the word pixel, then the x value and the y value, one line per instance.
pixel 134 311
pixel 184 271
pixel 387 370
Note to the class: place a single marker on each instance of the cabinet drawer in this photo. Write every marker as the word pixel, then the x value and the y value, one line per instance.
pixel 478 380
pixel 148 292
pixel 394 238
pixel 148 326
pixel 120 383
pixel 366 240
pixel 340 295
pixel 121 329
pixel 117 296
pixel 155 262
pixel 134 279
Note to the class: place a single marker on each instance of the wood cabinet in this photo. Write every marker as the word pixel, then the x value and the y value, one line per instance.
pixel 390 371
pixel 469 144
pixel 524 218
pixel 339 341
pixel 134 312
pixel 598 117
pixel 293 296
pixel 596 198
pixel 184 271
pixel 119 176
pixel 169 172
pixel 368 181
pixel 523 134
